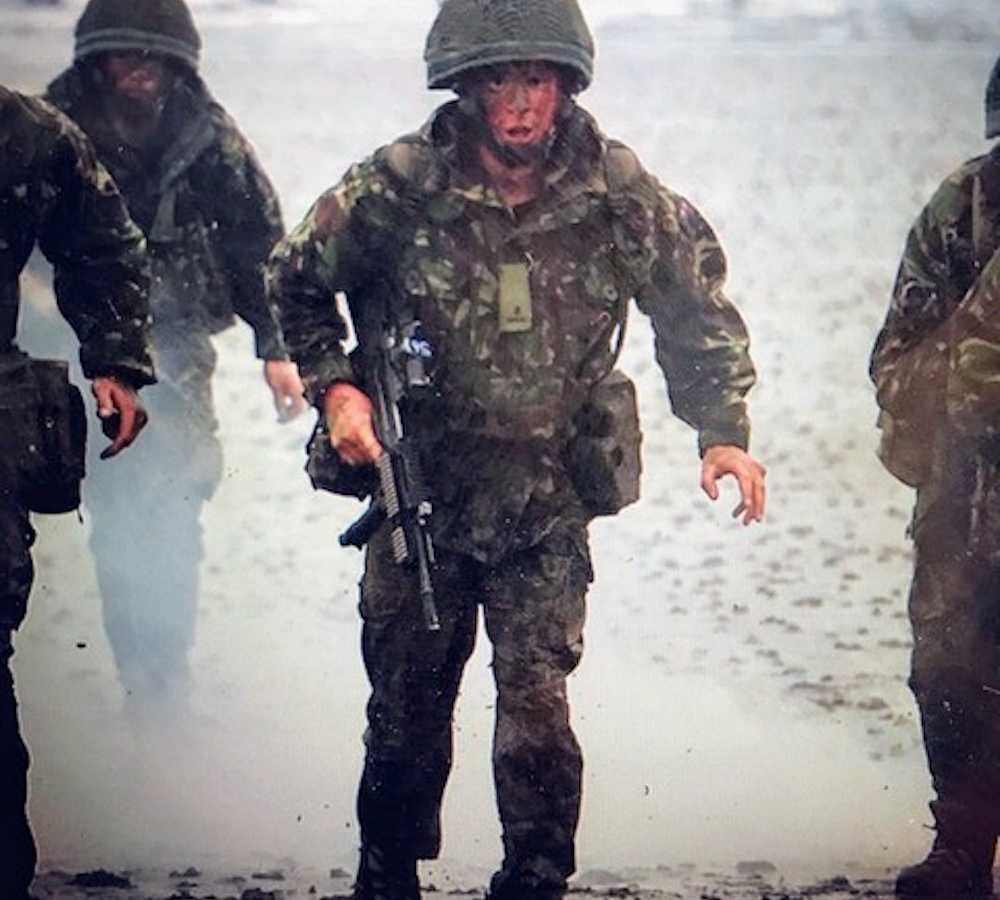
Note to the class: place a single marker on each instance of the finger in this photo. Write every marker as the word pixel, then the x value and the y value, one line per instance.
pixel 102 394
pixel 282 408
pixel 746 490
pixel 354 452
pixel 709 482
pixel 755 509
pixel 126 429
pixel 761 491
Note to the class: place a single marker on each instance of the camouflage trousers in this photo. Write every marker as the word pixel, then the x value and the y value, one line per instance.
pixel 534 606
pixel 954 608
pixel 17 847
pixel 149 499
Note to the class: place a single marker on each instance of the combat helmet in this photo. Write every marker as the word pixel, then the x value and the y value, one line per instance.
pixel 468 34
pixel 158 26
pixel 993 103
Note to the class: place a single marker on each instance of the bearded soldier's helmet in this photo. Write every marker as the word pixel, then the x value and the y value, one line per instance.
pixel 157 26
pixel 468 34
pixel 993 103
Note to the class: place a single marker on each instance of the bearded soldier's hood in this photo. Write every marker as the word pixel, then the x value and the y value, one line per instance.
pixel 165 27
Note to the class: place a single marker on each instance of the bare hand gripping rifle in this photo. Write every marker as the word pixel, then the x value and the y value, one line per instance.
pixel 400 378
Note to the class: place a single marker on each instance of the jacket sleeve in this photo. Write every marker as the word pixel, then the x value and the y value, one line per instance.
pixel 333 249
pixel 246 212
pixel 98 254
pixel 701 342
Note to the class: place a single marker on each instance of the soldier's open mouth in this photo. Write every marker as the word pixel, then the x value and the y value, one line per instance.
pixel 520 135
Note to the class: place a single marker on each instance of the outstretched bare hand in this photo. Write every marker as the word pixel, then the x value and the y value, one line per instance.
pixel 729 460
pixel 121 413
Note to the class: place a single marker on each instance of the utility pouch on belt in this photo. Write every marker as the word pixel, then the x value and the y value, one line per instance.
pixel 45 423
pixel 605 461
pixel 328 472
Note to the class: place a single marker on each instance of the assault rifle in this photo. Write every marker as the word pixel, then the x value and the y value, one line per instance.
pixel 403 496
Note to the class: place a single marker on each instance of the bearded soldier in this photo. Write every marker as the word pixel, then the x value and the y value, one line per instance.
pixel 210 215
pixel 514 233
pixel 53 191
pixel 935 364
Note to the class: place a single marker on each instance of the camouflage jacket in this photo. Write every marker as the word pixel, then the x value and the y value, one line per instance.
pixel 933 315
pixel 53 191
pixel 417 220
pixel 953 238
pixel 209 213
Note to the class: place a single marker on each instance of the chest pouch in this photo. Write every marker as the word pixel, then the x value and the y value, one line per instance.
pixel 45 433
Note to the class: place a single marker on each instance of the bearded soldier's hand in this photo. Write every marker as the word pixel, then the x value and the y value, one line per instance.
pixel 728 460
pixel 121 413
pixel 282 378
pixel 349 419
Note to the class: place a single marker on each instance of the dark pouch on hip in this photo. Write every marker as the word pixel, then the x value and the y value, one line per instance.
pixel 604 456
pixel 54 456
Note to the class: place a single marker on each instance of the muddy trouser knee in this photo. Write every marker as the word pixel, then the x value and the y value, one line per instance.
pixel 955 614
pixel 414 676
pixel 17 847
pixel 535 606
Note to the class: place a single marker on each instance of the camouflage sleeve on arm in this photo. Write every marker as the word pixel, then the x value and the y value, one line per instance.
pixel 927 290
pixel 98 254
pixel 325 254
pixel 701 343
pixel 245 208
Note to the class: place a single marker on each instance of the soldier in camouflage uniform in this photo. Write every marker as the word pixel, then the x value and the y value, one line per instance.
pixel 936 364
pixel 515 231
pixel 53 191
pixel 210 215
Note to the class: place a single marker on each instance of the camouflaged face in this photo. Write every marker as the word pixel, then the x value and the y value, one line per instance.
pixel 207 208
pixel 416 219
pixel 54 191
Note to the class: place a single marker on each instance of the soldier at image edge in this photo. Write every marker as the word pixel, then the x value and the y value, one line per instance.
pixel 54 191
pixel 515 234
pixel 210 215
pixel 936 367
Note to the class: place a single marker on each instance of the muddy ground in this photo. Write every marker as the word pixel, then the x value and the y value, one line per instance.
pixel 742 701
pixel 750 879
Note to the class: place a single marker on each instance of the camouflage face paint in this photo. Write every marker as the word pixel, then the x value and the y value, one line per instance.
pixel 521 102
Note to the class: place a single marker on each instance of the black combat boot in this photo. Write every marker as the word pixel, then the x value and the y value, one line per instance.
pixel 504 886
pixel 386 876
pixel 959 866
